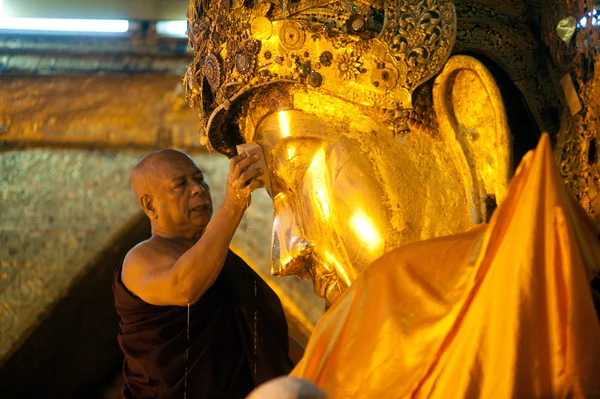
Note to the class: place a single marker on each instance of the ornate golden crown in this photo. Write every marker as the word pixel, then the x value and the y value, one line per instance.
pixel 370 52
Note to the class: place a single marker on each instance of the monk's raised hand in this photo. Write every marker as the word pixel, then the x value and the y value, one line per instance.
pixel 241 181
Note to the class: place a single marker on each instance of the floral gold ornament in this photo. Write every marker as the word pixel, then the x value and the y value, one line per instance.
pixel 384 78
pixel 349 66
pixel 262 28
pixel 356 24
pixel 306 68
pixel 243 63
pixel 326 58
pixel 211 69
pixel 315 79
pixel 252 46
pixel 291 35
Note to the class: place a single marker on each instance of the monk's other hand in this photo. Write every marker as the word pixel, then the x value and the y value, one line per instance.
pixel 241 182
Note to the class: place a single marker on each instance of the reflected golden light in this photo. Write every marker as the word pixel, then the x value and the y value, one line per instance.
pixel 284 128
pixel 317 173
pixel 291 151
pixel 284 124
pixel 365 230
pixel 285 261
pixel 318 161
pixel 341 271
pixel 323 202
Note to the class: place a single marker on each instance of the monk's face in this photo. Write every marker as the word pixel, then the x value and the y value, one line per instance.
pixel 181 198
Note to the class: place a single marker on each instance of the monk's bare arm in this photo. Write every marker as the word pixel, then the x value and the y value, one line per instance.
pixel 166 280
pixel 162 279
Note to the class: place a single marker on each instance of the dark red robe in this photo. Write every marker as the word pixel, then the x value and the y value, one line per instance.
pixel 225 324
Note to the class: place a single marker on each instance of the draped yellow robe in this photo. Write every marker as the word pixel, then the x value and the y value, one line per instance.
pixel 502 311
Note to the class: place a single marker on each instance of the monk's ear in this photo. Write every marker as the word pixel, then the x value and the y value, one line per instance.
pixel 473 123
pixel 148 206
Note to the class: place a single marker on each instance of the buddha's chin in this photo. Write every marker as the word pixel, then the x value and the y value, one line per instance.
pixel 326 283
pixel 332 293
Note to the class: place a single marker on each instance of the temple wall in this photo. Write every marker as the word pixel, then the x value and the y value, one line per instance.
pixel 116 111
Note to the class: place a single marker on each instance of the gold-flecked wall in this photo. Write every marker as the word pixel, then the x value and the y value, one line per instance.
pixel 114 111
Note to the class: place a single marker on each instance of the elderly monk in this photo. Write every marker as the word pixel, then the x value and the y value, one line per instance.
pixel 196 321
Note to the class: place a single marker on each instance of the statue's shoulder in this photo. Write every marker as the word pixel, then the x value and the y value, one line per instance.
pixel 460 242
pixel 434 255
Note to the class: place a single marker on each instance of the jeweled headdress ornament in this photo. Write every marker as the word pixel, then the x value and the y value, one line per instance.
pixel 370 52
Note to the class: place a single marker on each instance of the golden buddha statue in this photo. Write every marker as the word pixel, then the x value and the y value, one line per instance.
pixel 332 112
pixel 376 136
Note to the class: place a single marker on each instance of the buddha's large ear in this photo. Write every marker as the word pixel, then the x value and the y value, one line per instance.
pixel 473 123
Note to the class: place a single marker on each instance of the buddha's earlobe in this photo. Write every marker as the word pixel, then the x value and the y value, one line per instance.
pixel 474 125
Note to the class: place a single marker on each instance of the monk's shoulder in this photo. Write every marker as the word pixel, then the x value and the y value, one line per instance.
pixel 147 255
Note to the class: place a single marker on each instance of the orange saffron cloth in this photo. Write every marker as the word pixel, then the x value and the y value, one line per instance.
pixel 504 310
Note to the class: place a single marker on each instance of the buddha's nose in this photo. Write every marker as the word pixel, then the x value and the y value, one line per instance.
pixel 290 254
pixel 291 251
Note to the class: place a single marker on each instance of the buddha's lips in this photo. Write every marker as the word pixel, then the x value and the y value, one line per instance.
pixel 323 283
pixel 332 293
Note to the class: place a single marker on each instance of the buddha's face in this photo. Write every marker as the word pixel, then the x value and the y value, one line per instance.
pixel 346 191
pixel 329 220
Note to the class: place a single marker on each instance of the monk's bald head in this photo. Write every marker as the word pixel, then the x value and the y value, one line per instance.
pixel 287 388
pixel 153 169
